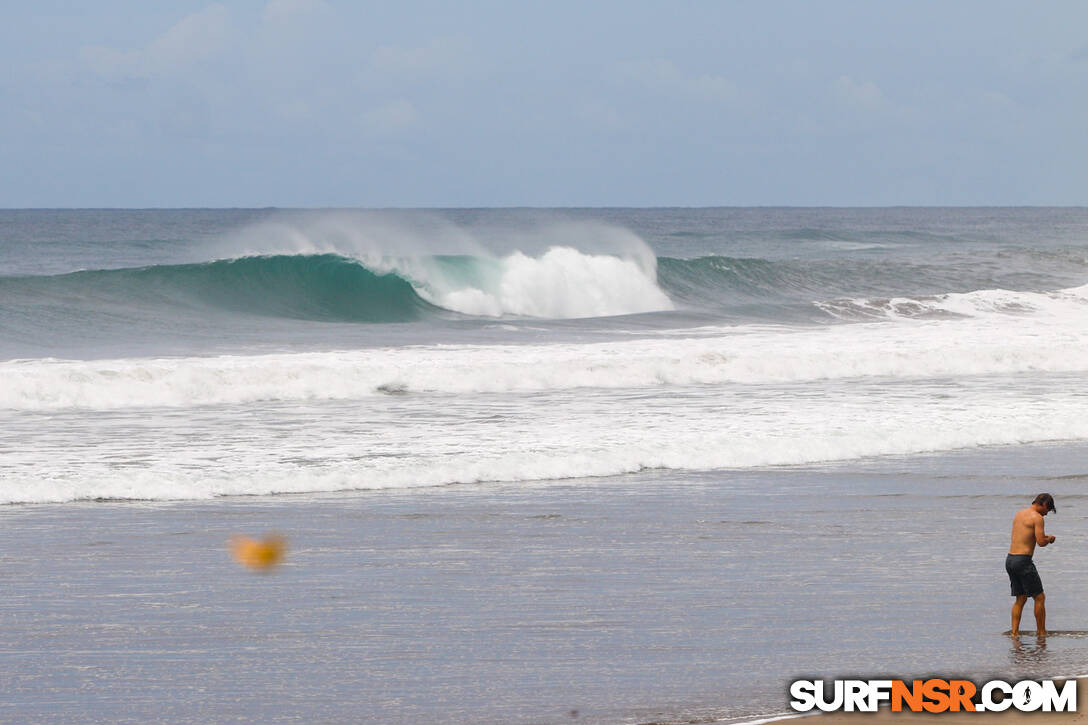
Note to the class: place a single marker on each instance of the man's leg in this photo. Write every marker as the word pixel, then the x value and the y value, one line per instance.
pixel 1040 613
pixel 1017 610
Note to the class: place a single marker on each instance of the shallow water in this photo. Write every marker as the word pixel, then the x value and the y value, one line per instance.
pixel 653 596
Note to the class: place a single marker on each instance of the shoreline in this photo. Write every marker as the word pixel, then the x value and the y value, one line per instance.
pixel 515 604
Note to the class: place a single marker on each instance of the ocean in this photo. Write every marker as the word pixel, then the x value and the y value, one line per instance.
pixel 600 465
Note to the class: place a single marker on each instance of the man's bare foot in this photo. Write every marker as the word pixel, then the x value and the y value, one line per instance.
pixel 1014 634
pixel 1041 633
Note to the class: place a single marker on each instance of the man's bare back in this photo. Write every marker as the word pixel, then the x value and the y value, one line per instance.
pixel 1024 581
pixel 1027 531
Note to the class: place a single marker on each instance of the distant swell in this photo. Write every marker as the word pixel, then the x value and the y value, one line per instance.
pixel 717 281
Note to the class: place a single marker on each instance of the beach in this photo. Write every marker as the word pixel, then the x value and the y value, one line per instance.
pixel 651 598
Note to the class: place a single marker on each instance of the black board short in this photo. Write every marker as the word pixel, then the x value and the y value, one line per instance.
pixel 1023 575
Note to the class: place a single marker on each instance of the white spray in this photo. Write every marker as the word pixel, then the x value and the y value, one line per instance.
pixel 558 268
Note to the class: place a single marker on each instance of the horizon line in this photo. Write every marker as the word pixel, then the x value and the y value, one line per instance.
pixel 541 208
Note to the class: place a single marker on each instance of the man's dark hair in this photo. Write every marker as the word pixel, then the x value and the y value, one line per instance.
pixel 1045 499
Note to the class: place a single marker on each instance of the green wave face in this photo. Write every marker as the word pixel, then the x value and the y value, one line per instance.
pixel 324 287
pixel 722 281
pixel 718 280
pixel 330 287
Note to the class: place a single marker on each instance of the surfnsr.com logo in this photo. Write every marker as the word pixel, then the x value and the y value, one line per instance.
pixel 933 695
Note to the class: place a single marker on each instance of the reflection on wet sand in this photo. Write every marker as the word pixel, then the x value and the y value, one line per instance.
pixel 1028 650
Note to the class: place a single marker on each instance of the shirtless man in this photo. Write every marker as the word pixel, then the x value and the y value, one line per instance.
pixel 1027 531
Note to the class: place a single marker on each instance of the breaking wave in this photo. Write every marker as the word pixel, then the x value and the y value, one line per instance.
pixel 561 283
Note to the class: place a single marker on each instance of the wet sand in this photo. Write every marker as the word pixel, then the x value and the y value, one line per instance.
pixel 645 598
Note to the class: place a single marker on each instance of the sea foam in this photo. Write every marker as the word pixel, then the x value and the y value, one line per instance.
pixel 563 283
pixel 1049 341
pixel 562 269
pixel 557 438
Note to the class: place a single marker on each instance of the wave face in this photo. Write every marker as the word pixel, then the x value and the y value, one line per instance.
pixel 562 283
pixel 717 282
pixel 264 283
pixel 319 287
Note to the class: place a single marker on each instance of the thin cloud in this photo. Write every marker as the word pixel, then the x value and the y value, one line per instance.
pixel 285 12
pixel 195 39
pixel 998 99
pixel 601 115
pixel 441 56
pixel 864 95
pixel 394 116
pixel 663 76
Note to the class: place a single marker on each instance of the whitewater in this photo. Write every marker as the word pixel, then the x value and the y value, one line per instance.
pixel 751 355
pixel 258 353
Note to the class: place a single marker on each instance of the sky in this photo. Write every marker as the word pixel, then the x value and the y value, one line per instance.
pixel 319 103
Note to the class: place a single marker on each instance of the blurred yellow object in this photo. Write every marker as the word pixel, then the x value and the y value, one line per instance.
pixel 258 554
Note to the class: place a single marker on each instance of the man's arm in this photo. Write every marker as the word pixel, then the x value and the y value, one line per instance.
pixel 1040 536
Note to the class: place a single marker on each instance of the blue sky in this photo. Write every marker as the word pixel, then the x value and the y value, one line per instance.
pixel 423 104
